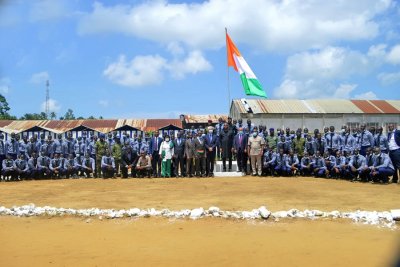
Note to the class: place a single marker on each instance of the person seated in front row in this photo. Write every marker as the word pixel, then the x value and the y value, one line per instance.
pixel 280 163
pixel 365 174
pixel 22 168
pixel 382 168
pixel 143 166
pixel 8 170
pixel 70 168
pixel 269 161
pixel 330 163
pixel 357 165
pixel 107 165
pixel 292 163
pixel 88 165
pixel 56 166
pixel 306 164
pixel 319 166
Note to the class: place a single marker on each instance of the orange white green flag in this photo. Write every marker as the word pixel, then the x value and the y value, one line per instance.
pixel 250 83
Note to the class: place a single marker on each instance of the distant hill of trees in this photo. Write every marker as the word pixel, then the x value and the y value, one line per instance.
pixel 69 115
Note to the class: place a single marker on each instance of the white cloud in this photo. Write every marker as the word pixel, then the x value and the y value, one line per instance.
pixel 367 96
pixel 53 106
pixel 393 56
pixel 324 73
pixel 175 49
pixel 141 70
pixel 104 103
pixel 192 64
pixel 150 69
pixel 48 10
pixel 388 78
pixel 327 63
pixel 40 77
pixel 344 90
pixel 266 24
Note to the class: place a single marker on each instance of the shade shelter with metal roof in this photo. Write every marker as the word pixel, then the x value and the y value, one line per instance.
pixel 317 113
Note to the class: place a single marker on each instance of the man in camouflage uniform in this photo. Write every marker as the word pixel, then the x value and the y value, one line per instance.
pixel 116 152
pixel 101 147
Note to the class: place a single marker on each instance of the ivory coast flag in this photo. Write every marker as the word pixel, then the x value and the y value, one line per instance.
pixel 250 83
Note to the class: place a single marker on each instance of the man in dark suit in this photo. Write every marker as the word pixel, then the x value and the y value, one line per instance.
pixel 226 144
pixel 154 148
pixel 239 146
pixel 129 159
pixel 394 150
pixel 211 143
pixel 179 152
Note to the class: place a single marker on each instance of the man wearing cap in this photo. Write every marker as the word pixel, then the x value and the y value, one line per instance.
pixel 116 151
pixel 101 147
pixel 271 139
pixel 189 154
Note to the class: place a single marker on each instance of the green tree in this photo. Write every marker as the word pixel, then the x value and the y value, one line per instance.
pixel 69 115
pixel 53 115
pixel 34 116
pixel 4 108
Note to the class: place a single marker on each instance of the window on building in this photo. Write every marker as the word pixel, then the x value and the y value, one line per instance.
pixel 353 125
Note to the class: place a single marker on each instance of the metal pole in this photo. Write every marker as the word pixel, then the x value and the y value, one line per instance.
pixel 227 71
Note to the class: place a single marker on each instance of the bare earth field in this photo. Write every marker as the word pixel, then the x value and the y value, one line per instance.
pixel 75 241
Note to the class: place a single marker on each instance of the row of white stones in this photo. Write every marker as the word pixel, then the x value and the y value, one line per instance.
pixel 383 218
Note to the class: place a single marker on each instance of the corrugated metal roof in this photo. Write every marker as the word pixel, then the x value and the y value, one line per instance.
pixel 155 124
pixel 394 103
pixel 384 106
pixel 103 126
pixel 4 123
pixel 204 118
pixel 366 106
pixel 64 125
pixel 339 106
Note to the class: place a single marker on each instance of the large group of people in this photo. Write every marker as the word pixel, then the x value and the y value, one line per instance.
pixel 358 154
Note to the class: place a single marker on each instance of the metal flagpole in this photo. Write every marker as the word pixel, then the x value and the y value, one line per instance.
pixel 227 71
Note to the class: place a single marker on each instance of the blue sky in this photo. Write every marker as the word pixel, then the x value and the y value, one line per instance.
pixel 158 59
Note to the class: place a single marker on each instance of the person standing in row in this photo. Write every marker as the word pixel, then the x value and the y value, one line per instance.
pixel 211 143
pixel 154 148
pixel 189 155
pixel 226 144
pixel 240 149
pixel 179 153
pixel 255 147
pixel 166 153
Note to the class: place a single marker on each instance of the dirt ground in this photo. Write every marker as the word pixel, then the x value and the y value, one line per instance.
pixel 73 241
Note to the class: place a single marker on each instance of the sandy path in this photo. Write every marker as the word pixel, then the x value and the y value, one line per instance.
pixel 226 193
pixel 73 241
